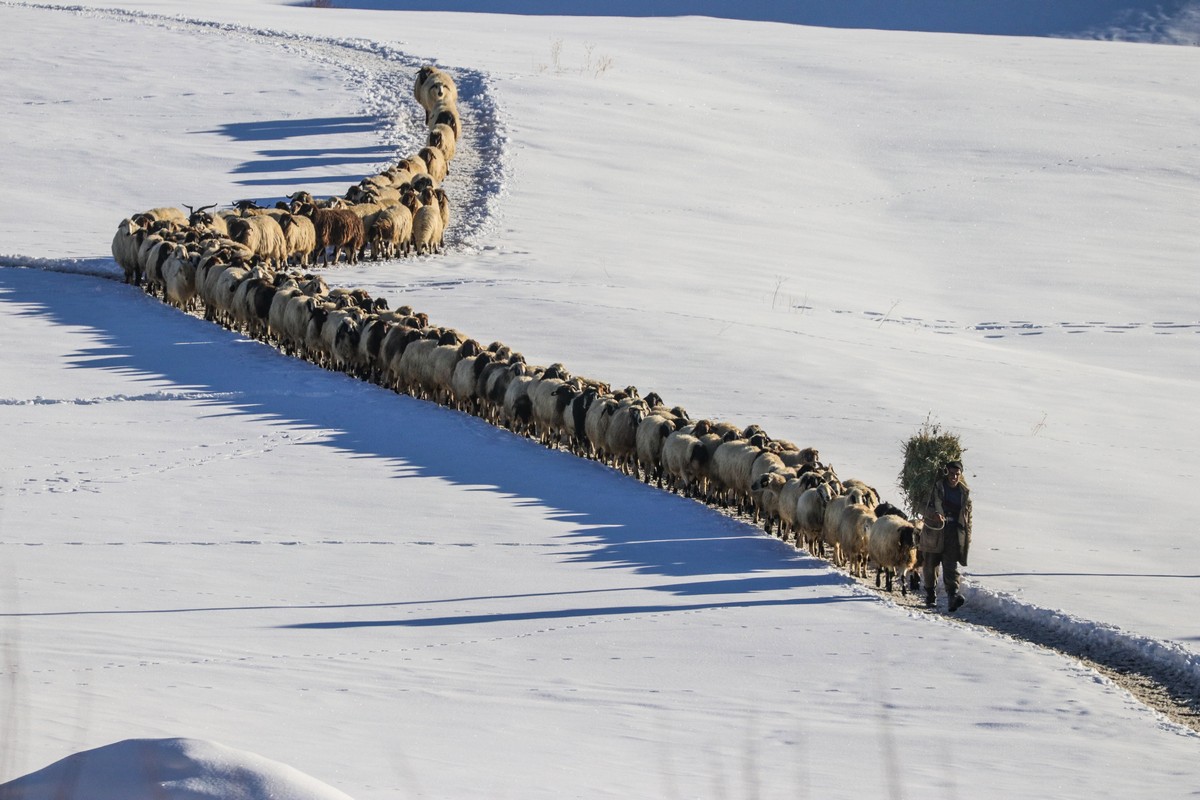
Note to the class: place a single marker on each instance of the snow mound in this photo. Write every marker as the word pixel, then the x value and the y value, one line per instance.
pixel 167 769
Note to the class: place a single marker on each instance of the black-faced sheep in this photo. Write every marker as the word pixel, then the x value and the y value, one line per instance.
pixel 765 493
pixel 435 162
pixel 684 458
pixel 262 234
pixel 442 137
pixel 391 233
pixel 892 546
pixel 652 435
pixel 620 438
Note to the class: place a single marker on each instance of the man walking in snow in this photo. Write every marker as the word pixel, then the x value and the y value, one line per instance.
pixel 946 536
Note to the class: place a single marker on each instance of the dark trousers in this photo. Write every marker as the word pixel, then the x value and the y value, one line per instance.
pixel 947 560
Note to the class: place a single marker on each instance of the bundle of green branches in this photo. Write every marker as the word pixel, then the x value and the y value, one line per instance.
pixel 925 456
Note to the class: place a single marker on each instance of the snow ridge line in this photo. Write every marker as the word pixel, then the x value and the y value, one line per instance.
pixel 1169 663
pixel 384 76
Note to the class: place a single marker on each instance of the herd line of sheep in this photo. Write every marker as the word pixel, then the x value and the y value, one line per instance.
pixel 244 270
pixel 399 211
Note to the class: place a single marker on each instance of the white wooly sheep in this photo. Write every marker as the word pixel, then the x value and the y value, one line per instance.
pixel 768 463
pixel 435 162
pixel 870 497
pixel 391 353
pixel 731 471
pixel 811 507
pixel 765 492
pixel 447 114
pixel 125 245
pixel 708 435
pixel 427 225
pixel 495 387
pixel 252 302
pixel 464 384
pixel 789 497
pixel 224 290
pixel 413 370
pixel 684 458
pixel 398 176
pixel 371 193
pixel 575 416
pixel 892 546
pixel 854 531
pixel 433 87
pixel 595 425
pixel 414 166
pixel 366 345
pixel 276 316
pixel 262 234
pixel 443 362
pixel 297 312
pixel 651 438
pixel 833 518
pixel 339 337
pixel 179 278
pixel 517 409
pixel 151 255
pixel 547 404
pixel 443 204
pixel 391 233
pixel 162 214
pixel 204 220
pixel 301 237
pixel 795 456
pixel 620 439
pixel 442 137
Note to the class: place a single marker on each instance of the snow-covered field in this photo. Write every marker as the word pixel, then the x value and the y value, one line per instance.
pixel 834 233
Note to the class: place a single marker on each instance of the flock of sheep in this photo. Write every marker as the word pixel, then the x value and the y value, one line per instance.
pixel 399 211
pixel 246 279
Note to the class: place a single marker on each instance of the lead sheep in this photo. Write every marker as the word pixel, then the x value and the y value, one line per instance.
pixel 892 546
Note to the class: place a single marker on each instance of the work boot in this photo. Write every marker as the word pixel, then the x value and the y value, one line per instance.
pixel 956 602
pixel 930 600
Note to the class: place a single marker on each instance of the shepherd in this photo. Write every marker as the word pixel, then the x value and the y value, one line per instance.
pixel 946 536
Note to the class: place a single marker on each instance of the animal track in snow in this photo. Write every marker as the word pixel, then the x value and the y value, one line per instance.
pixel 1024 327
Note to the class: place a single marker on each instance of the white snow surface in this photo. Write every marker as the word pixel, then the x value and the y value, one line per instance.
pixel 836 233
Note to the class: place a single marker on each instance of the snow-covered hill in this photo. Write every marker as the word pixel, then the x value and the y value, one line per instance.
pixel 833 233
